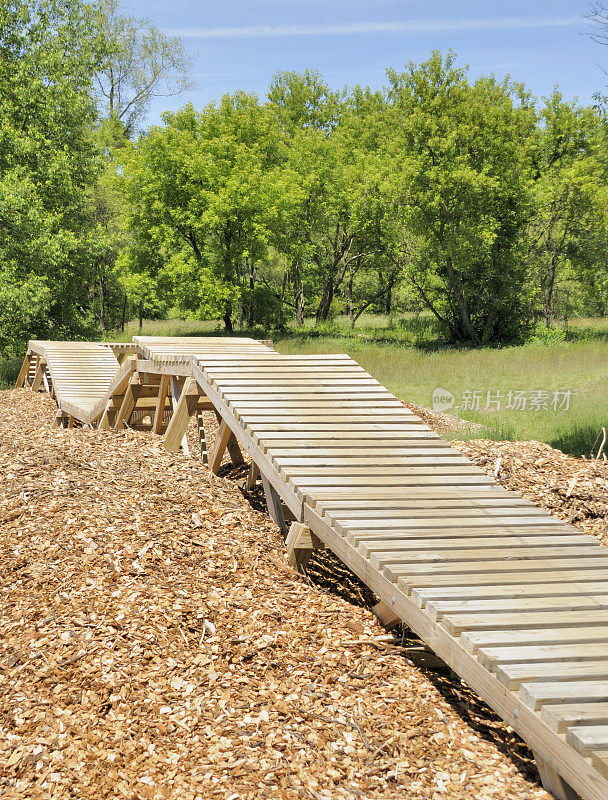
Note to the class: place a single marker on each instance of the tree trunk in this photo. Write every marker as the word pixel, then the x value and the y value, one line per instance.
pixel 227 318
pixel 141 313
pixel 124 313
pixel 325 302
pixel 461 302
pixel 351 307
pixel 298 295
pixel 102 303
pixel 250 310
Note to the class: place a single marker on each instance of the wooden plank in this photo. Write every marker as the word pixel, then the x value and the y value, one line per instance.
pixel 453 548
pixel 513 675
pixel 473 641
pixel 501 591
pixel 456 624
pixel 410 573
pixel 587 738
pixel 492 657
pixel 483 555
pixel 536 695
pixel 561 717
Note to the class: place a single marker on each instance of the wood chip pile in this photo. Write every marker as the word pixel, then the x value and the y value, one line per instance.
pixel 574 489
pixel 154 644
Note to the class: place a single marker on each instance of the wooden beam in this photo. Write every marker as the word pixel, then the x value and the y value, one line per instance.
pixel 37 382
pixel 23 372
pixel 128 403
pixel 301 543
pixel 252 477
pixel 553 782
pixel 386 616
pixel 185 402
pixel 58 419
pixel 160 404
pixel 202 440
pixel 219 448
pixel 275 506
pixel 234 450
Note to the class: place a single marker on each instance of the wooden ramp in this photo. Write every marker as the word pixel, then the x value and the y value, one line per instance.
pixel 79 375
pixel 512 599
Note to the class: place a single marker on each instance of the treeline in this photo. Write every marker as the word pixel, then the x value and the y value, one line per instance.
pixel 465 197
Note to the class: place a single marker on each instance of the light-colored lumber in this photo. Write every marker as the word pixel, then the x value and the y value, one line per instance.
pixel 300 545
pixel 386 615
pixel 160 404
pixel 183 410
pixel 560 717
pixel 221 441
pixel 553 782
pixel 23 372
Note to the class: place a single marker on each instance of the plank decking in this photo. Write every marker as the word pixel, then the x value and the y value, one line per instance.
pixel 515 601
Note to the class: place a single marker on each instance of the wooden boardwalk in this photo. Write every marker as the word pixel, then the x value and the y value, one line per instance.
pixel 512 599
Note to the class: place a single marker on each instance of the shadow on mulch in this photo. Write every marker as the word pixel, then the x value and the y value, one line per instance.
pixel 328 573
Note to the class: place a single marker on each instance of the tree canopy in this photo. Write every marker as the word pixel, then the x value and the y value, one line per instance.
pixel 469 199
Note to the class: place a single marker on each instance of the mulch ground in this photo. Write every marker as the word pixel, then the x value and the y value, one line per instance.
pixel 155 644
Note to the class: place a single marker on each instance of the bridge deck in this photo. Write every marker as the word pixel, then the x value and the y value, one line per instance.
pixel 514 600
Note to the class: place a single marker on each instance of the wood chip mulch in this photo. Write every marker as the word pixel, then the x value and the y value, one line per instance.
pixel 573 489
pixel 155 644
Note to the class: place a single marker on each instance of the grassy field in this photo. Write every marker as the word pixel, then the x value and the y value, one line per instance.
pixel 406 354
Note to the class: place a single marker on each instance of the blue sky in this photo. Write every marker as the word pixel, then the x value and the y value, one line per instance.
pixel 240 44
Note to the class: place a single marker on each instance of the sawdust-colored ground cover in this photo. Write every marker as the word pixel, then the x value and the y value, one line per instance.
pixel 154 644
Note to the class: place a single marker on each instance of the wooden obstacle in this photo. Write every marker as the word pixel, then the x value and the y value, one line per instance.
pixel 512 599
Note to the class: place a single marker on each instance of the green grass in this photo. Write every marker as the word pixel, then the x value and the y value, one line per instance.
pixel 413 374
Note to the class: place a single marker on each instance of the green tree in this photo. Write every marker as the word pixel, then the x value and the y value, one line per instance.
pixel 143 63
pixel 207 192
pixel 49 54
pixel 461 177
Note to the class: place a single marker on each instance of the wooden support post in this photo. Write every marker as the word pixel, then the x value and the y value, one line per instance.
pixel 36 383
pixel 70 421
pixel 160 404
pixel 300 544
pixel 219 448
pixel 58 419
pixel 45 381
pixel 128 402
pixel 23 372
pixel 234 449
pixel 553 782
pixel 184 405
pixel 275 506
pixel 387 617
pixel 104 422
pixel 236 455
pixel 252 477
pixel 202 440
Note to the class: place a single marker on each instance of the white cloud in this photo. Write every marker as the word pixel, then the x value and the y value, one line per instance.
pixel 407 28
